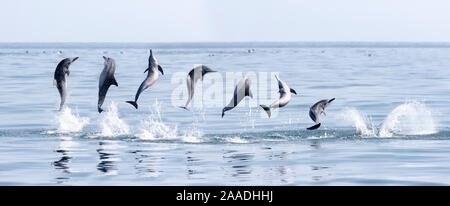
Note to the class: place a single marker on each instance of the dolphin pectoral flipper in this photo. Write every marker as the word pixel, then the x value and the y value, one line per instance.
pixel 146 70
pixel 160 69
pixel 114 82
pixel 313 127
pixel 293 91
pixel 266 108
pixel 250 94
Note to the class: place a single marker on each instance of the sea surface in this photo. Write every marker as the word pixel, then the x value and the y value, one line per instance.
pixel 389 124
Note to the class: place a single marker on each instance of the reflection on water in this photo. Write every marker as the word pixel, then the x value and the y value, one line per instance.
pixel 239 163
pixel 273 164
pixel 107 158
pixel 318 172
pixel 62 164
pixel 284 174
pixel 280 169
pixel 322 170
pixel 316 144
pixel 192 165
pixel 146 164
pixel 318 167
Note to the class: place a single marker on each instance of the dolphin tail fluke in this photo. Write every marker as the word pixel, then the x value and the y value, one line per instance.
pixel 100 110
pixel 226 109
pixel 135 105
pixel 183 107
pixel 313 127
pixel 223 111
pixel 266 108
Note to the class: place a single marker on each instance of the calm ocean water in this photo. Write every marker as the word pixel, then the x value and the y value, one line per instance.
pixel 387 126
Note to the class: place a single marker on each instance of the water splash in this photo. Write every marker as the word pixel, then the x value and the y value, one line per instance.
pixel 69 122
pixel 154 128
pixel 363 124
pixel 411 118
pixel 111 124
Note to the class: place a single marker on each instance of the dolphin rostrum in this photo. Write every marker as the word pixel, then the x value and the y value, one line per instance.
pixel 194 75
pixel 285 96
pixel 151 78
pixel 242 90
pixel 317 109
pixel 59 78
pixel 106 80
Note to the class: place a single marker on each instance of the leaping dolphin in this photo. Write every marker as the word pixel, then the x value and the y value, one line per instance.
pixel 317 109
pixel 242 90
pixel 106 80
pixel 194 75
pixel 59 78
pixel 151 78
pixel 285 97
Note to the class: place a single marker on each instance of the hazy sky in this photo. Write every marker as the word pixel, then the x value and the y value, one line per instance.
pixel 224 20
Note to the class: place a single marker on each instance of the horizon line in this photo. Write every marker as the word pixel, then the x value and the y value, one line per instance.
pixel 193 42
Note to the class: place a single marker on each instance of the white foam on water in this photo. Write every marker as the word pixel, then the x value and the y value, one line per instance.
pixel 111 124
pixel 153 128
pixel 236 139
pixel 69 122
pixel 67 143
pixel 324 136
pixel 360 121
pixel 410 118
pixel 193 136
